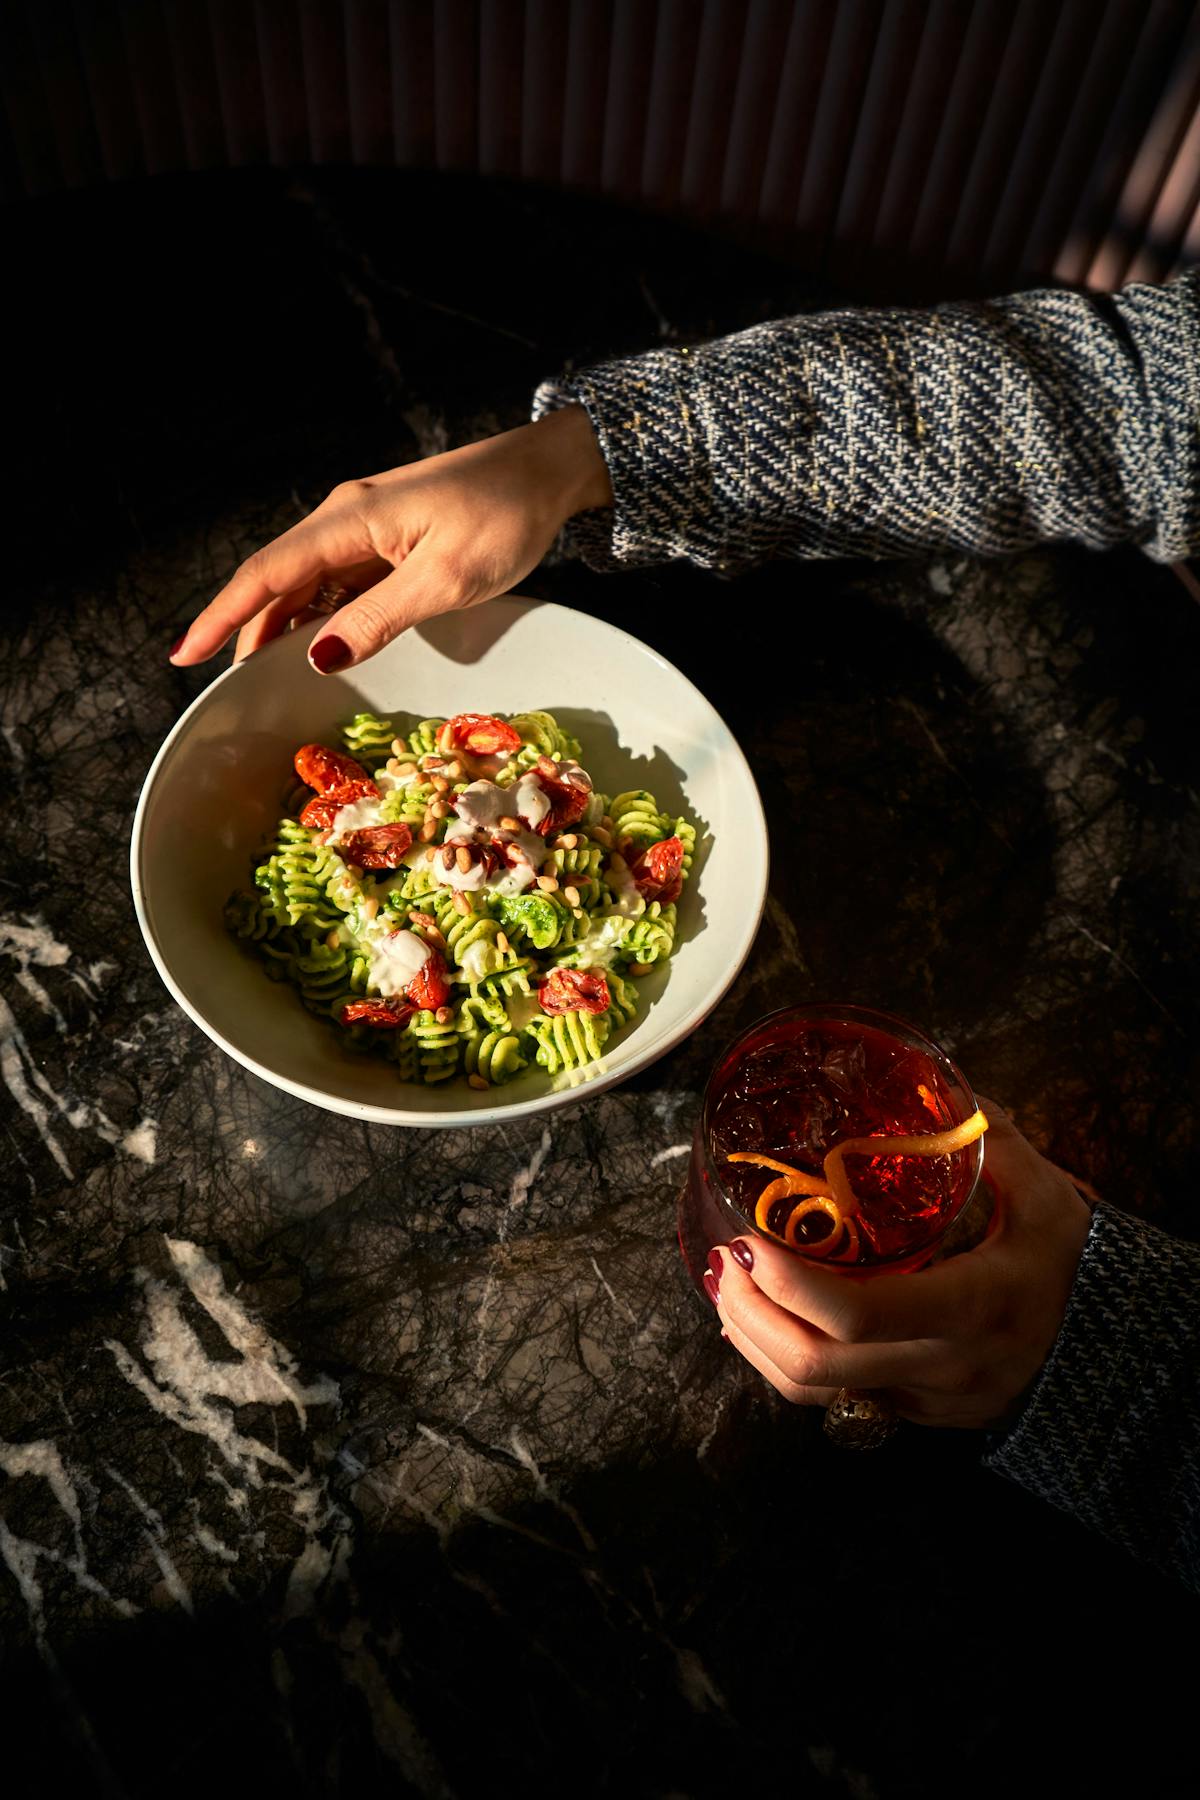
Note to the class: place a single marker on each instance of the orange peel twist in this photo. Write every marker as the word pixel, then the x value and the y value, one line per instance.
pixel 936 1143
pixel 834 1196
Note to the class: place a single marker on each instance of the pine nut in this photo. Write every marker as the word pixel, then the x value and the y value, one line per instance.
pixel 399 747
pixel 477 1081
pixel 607 823
pixel 447 856
pixel 445 737
pixel 465 859
pixel 454 771
pixel 602 837
pixel 569 841
pixel 439 809
pixel 549 867
pixel 463 902
pixel 617 861
pixel 444 1014
pixel 370 907
pixel 431 852
pixel 428 928
pixel 441 785
pixel 428 830
pixel 571 896
pixel 502 943
pixel 639 969
pixel 333 939
pixel 406 769
pixel 508 823
pixel 392 766
pixel 548 884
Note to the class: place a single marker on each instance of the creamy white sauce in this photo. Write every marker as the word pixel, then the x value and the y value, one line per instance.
pixel 626 898
pixel 397 956
pixel 532 802
pixel 482 805
pixel 362 814
pixel 521 1009
pixel 465 880
pixel 598 947
pixel 480 808
pixel 479 959
pixel 515 880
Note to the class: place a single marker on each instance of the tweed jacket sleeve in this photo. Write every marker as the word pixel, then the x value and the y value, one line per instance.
pixel 1111 1430
pixel 983 427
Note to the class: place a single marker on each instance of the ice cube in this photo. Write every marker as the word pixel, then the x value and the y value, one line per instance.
pixel 844 1067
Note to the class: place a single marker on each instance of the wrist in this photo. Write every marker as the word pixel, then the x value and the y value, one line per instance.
pixel 575 461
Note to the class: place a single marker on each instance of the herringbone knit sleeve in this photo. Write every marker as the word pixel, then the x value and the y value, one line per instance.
pixel 984 427
pixel 1111 1431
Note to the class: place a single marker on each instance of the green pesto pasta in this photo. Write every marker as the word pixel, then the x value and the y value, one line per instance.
pixel 454 896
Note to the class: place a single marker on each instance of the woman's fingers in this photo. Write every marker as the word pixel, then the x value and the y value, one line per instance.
pixel 791 1390
pixel 275 618
pixel 850 1309
pixel 302 555
pixel 808 1357
pixel 422 586
pixel 319 597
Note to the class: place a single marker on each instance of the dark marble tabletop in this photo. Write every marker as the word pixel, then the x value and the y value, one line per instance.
pixel 338 1458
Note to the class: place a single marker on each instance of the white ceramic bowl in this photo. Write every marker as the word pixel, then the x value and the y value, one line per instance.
pixel 212 796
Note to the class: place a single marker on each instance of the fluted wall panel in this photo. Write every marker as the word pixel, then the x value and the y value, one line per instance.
pixel 979 140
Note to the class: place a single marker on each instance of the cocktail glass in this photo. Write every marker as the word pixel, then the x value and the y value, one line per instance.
pixel 794 1086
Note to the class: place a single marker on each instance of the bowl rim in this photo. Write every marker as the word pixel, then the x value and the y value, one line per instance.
pixel 586 1083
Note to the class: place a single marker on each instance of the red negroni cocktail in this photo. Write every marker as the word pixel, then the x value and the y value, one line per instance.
pixel 843 1133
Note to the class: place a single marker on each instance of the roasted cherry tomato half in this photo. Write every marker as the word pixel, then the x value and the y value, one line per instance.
pixel 481 735
pixel 574 990
pixel 568 799
pixel 322 768
pixel 387 1015
pixel 429 986
pixel 323 809
pixel 658 871
pixel 376 846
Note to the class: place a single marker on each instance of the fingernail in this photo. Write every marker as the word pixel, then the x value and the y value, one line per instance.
pixel 716 1262
pixel 742 1254
pixel 177 646
pixel 329 654
pixel 711 1288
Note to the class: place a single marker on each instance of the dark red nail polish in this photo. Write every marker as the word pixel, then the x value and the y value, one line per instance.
pixel 177 646
pixel 329 654
pixel 742 1254
pixel 711 1288
pixel 716 1262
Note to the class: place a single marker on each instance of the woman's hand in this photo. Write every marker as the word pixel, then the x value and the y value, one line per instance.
pixel 956 1344
pixel 412 542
